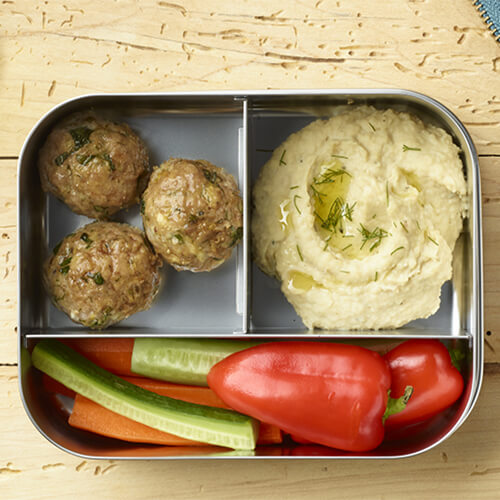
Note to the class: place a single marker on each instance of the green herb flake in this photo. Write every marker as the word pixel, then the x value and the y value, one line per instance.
pixel 396 250
pixel 282 161
pixel 236 236
pixel 317 194
pixel 142 206
pixel 81 136
pixel 85 237
pixel 376 275
pixel 418 225
pixel 433 240
pixel 345 272
pixel 348 246
pixel 59 160
pixel 300 253
pixel 340 156
pixel 64 265
pixel 97 277
pixel 103 210
pixel 56 248
pixel 107 158
pixel 403 226
pixel 210 175
pixel 193 218
pixel 295 203
pixel 294 187
pixel 408 148
pixel 372 127
pixel 330 175
pixel 376 234
pixel 327 242
pixel 179 237
pixel 387 193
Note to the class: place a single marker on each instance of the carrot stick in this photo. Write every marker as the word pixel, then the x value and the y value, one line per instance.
pixel 55 387
pixel 95 418
pixel 114 355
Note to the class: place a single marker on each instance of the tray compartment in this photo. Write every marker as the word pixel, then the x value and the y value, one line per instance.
pixel 272 118
pixel 188 303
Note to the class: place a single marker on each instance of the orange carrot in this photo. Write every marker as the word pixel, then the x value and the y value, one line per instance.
pixel 111 354
pixel 95 418
pixel 55 387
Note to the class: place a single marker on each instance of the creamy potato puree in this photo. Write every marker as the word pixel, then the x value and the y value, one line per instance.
pixel 358 216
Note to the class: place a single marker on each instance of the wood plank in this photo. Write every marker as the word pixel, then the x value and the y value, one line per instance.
pixel 469 460
pixel 52 51
pixel 8 262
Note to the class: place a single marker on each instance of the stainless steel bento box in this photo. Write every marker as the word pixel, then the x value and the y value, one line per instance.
pixel 236 131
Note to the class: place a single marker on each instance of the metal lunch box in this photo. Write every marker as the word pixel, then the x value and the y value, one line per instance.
pixel 238 131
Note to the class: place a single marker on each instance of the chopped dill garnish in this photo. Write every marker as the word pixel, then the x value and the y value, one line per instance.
pixel 282 161
pixel 317 194
pixel 236 236
pixel 340 156
pixel 377 234
pixel 433 241
pixel 418 225
pixel 394 224
pixel 376 275
pixel 407 148
pixel 327 241
pixel 403 226
pixel 80 136
pixel 374 216
pixel 345 248
pixel 346 272
pixel 372 127
pixel 330 175
pixel 396 250
pixel 210 175
pixel 387 193
pixel 59 160
pixel 142 206
pixel 300 253
pixel 295 203
pixel 339 211
pixel 179 237
pixel 56 248
pixel 294 187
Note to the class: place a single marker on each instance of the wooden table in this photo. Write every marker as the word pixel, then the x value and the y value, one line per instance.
pixel 51 51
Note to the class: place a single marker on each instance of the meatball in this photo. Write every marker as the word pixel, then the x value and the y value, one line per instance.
pixel 192 214
pixel 95 166
pixel 103 273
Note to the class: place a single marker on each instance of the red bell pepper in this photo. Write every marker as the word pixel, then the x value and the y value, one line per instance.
pixel 331 394
pixel 426 365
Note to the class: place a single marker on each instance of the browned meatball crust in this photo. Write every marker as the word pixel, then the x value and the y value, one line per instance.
pixel 192 214
pixel 95 166
pixel 103 273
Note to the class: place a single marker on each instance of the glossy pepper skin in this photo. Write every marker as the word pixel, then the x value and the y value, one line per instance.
pixel 425 365
pixel 331 394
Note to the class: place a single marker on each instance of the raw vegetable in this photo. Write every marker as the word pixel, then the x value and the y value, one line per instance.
pixel 201 423
pixel 185 361
pixel 95 418
pixel 427 366
pixel 331 394
pixel 113 354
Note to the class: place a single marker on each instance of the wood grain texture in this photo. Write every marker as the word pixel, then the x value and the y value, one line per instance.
pixel 465 467
pixel 51 51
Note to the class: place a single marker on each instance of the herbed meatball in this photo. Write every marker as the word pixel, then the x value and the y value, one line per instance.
pixel 192 214
pixel 103 273
pixel 95 166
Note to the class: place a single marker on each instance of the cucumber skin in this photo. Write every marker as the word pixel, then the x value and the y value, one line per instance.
pixel 215 426
pixel 183 361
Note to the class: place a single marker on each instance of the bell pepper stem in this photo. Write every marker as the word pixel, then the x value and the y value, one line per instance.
pixel 457 356
pixel 395 405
